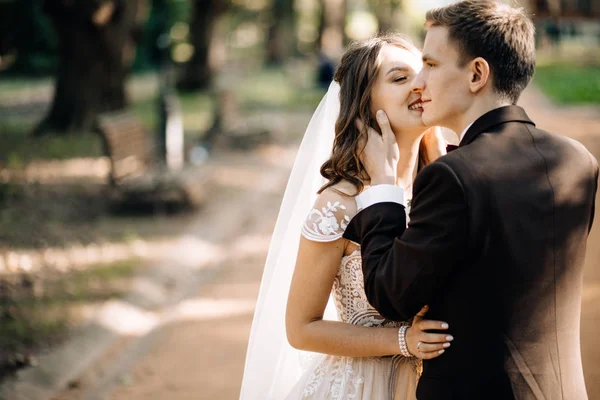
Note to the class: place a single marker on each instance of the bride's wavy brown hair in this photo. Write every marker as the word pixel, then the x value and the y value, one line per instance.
pixel 356 75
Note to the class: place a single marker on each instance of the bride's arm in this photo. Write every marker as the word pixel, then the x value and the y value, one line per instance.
pixel 316 267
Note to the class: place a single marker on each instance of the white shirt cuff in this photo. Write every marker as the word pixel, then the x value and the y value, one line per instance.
pixel 380 194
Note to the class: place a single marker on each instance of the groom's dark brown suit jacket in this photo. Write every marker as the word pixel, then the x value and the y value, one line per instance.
pixel 495 246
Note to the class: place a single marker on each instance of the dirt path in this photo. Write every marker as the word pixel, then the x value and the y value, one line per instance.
pixel 199 351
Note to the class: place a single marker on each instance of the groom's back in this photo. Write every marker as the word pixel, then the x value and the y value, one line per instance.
pixel 515 306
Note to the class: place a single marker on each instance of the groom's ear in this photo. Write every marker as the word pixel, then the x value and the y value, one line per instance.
pixel 480 74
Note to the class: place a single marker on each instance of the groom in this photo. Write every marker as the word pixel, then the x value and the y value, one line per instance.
pixel 498 227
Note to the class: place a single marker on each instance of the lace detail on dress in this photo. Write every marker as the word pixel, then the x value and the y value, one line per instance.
pixel 341 377
pixel 362 378
pixel 344 377
pixel 329 217
pixel 350 298
pixel 323 225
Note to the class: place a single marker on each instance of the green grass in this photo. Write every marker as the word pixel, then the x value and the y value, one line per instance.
pixel 255 91
pixel 90 284
pixel 34 320
pixel 570 84
pixel 272 88
pixel 196 110
pixel 13 85
pixel 19 147
pixel 266 89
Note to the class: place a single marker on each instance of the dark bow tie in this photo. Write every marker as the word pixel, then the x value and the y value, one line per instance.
pixel 451 147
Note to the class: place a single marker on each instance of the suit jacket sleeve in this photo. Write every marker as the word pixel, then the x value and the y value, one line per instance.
pixel 403 267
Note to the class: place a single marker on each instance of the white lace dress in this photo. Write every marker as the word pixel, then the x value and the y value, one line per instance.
pixel 333 377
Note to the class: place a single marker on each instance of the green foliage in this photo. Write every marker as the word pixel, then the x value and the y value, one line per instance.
pixel 28 35
pixel 19 147
pixel 8 191
pixel 570 84
pixel 179 10
pixel 163 15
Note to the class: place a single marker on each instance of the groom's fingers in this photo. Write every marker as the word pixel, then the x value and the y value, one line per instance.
pixel 429 348
pixel 435 338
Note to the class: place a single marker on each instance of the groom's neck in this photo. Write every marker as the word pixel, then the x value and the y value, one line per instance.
pixel 479 107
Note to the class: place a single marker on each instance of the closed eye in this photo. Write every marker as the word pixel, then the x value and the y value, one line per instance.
pixel 400 79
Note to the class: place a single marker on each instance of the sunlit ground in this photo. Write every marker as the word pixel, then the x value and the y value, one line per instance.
pixel 129 320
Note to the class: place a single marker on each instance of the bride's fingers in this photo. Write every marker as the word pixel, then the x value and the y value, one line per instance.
pixel 423 311
pixel 427 324
pixel 434 337
pixel 431 355
pixel 428 348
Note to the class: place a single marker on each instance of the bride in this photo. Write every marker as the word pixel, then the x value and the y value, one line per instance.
pixel 330 343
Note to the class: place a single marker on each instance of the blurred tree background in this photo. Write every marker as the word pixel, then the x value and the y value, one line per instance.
pixel 64 63
pixel 91 47
pixel 205 66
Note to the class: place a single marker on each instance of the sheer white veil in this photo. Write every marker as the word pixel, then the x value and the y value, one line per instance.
pixel 272 365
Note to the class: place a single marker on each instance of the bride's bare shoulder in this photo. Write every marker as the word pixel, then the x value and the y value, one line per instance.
pixel 343 194
pixel 331 214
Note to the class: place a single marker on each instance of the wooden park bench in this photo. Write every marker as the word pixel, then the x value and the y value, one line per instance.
pixel 137 176
pixel 231 129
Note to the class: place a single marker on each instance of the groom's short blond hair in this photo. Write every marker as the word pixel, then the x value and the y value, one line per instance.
pixel 503 35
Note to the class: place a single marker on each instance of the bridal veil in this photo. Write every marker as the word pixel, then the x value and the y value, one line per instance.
pixel 272 365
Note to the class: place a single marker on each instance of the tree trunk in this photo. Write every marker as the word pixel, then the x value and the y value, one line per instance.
pixel 197 72
pixel 281 40
pixel 384 12
pixel 332 36
pixel 96 47
pixel 555 7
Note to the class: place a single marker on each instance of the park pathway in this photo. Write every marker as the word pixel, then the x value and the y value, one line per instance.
pixel 199 351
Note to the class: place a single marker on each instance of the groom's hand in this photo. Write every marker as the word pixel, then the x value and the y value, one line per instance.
pixel 426 345
pixel 381 154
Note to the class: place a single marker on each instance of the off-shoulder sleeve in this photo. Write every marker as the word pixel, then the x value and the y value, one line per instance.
pixel 329 217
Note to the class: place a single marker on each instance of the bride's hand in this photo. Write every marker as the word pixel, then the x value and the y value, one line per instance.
pixel 427 345
pixel 434 144
pixel 381 170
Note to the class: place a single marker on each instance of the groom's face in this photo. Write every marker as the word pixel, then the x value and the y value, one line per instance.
pixel 442 83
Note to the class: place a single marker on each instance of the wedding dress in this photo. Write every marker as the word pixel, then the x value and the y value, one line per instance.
pixel 332 377
pixel 274 370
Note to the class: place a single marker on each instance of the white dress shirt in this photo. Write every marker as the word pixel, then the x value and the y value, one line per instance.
pixel 387 193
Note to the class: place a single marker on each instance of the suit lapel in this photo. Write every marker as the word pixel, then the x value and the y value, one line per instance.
pixel 495 117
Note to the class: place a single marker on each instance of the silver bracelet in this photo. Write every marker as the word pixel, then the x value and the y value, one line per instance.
pixel 402 341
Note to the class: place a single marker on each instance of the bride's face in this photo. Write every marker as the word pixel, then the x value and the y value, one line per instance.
pixel 392 89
